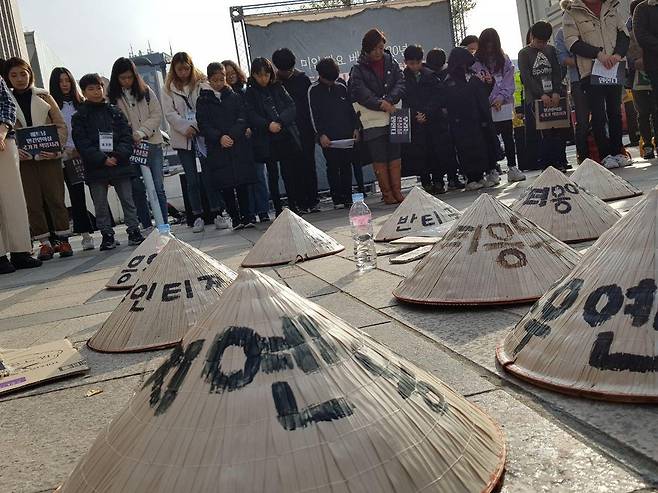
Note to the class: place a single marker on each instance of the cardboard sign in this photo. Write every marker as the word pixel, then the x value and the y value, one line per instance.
pixel 608 77
pixel 557 117
pixel 140 156
pixel 400 132
pixel 75 171
pixel 34 140
pixel 38 364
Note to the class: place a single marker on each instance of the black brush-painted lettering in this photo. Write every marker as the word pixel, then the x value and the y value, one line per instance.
pixel 212 281
pixel 171 291
pixel 328 349
pixel 615 300
pixel 302 352
pixel 432 397
pixel 188 289
pixel 520 258
pixel 500 231
pixel 136 295
pixel 643 295
pixel 149 295
pixel 601 358
pixel 549 312
pixel 151 258
pixel 124 277
pixel 571 188
pixel 291 418
pixel 135 261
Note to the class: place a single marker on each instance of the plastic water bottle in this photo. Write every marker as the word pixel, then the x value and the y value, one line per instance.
pixel 364 243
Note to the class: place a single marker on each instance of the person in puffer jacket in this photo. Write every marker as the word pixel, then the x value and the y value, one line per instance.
pixel 376 85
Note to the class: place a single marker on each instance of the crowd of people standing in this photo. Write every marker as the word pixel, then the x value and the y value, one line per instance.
pixel 246 131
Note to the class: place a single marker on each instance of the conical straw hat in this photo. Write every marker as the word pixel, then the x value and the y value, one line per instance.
pixel 272 393
pixel 490 256
pixel 602 182
pixel 20 368
pixel 144 254
pixel 594 334
pixel 564 209
pixel 290 239
pixel 421 214
pixel 168 299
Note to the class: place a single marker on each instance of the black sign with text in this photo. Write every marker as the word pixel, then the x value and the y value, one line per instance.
pixel 554 117
pixel 38 139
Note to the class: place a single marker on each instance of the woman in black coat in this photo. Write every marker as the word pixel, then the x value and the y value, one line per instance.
pixel 222 120
pixel 272 114
pixel 377 85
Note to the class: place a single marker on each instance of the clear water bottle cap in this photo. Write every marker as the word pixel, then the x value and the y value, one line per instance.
pixel 357 197
pixel 164 229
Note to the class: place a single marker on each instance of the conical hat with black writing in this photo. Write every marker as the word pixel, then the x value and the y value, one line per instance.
pixel 126 276
pixel 180 284
pixel 564 209
pixel 602 182
pixel 594 334
pixel 290 239
pixel 421 214
pixel 270 393
pixel 490 256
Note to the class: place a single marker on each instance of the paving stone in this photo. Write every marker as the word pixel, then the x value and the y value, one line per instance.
pixel 544 458
pixel 76 329
pixel 61 314
pixel 309 286
pixel 353 311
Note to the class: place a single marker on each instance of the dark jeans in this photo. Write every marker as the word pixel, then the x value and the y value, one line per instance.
pixel 123 188
pixel 605 105
pixel 647 115
pixel 581 105
pixel 654 84
pixel 358 176
pixel 506 129
pixel 543 148
pixel 339 174
pixel 240 212
pixel 79 213
pixel 188 161
pixel 307 177
pixel 141 202
pixel 444 150
pixel 289 163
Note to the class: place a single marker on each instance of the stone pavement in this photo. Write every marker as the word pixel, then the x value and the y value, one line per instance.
pixel 555 443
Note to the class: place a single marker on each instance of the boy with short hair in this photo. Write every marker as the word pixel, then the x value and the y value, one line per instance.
pixel 104 140
pixel 334 118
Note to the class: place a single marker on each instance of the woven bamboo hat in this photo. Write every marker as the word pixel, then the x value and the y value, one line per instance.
pixel 290 239
pixel 144 254
pixel 272 393
pixel 602 182
pixel 490 256
pixel 594 334
pixel 169 297
pixel 564 209
pixel 420 214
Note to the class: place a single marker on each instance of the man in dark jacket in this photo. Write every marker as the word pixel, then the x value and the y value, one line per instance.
pixel 104 140
pixel 297 84
pixel 645 29
pixel 334 119
pixel 421 96
pixel 222 120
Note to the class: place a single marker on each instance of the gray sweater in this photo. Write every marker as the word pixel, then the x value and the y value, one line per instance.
pixel 541 72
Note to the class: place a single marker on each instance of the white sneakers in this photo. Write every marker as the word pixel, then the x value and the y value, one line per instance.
pixel 514 174
pixel 474 185
pixel 199 225
pixel 88 242
pixel 221 222
pixel 492 177
pixel 623 160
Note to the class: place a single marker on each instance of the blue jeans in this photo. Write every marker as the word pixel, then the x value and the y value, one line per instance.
pixel 259 195
pixel 188 161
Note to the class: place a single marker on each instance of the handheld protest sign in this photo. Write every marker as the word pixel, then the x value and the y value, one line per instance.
pixel 74 170
pixel 400 126
pixel 270 393
pixel 43 138
pixel 290 239
pixel 168 298
pixel 20 368
pixel 140 155
pixel 602 182
pixel 420 214
pixel 554 117
pixel 126 276
pixel 594 333
pixel 491 256
pixel 561 207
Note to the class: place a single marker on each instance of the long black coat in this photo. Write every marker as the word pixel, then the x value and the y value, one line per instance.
pixel 421 95
pixel 367 89
pixel 264 106
pixel 226 116
pixel 87 122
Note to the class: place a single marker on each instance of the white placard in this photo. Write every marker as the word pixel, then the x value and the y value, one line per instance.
pixel 106 141
pixel 506 113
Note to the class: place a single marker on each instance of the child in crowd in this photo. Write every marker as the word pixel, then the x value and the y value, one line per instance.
pixel 276 139
pixel 541 75
pixel 104 139
pixel 465 98
pixel 297 84
pixel 421 96
pixel 222 120
pixel 334 118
